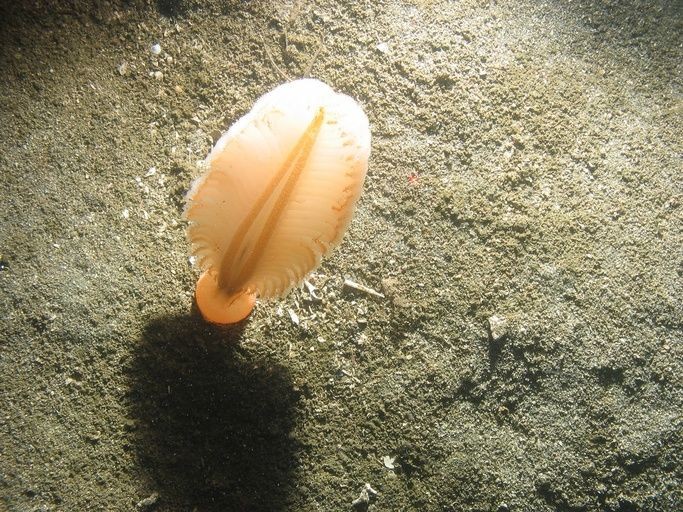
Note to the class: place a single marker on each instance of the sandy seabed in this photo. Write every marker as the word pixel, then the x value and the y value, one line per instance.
pixel 522 216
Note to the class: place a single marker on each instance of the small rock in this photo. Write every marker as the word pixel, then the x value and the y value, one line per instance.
pixel 148 502
pixel 498 327
pixel 93 438
pixel 155 49
pixel 123 69
pixel 363 500
pixel 73 383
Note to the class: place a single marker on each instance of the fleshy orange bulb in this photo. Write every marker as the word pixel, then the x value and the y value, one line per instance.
pixel 279 192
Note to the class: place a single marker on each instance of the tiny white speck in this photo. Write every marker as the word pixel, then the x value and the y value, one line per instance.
pixel 125 214
pixel 156 49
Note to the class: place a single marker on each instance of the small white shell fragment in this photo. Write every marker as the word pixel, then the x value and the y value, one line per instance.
pixel 313 291
pixel 293 316
pixel 125 214
pixel 388 461
pixel 155 49
pixel 348 283
pixel 151 172
pixel 383 48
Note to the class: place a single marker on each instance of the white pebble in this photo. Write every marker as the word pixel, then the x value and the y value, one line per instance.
pixel 156 49
pixel 498 327
pixel 383 48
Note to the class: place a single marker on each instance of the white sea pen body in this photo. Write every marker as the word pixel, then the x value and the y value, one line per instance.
pixel 279 191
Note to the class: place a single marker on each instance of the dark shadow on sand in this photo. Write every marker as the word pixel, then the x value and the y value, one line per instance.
pixel 211 423
pixel 181 8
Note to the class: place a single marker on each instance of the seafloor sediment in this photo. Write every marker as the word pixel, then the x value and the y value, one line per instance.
pixel 522 218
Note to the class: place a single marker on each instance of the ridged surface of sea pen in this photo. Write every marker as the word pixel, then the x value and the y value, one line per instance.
pixel 278 194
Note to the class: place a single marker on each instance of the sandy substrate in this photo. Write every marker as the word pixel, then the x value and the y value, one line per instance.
pixel 523 216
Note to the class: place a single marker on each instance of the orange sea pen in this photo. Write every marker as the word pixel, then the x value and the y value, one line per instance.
pixel 279 191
